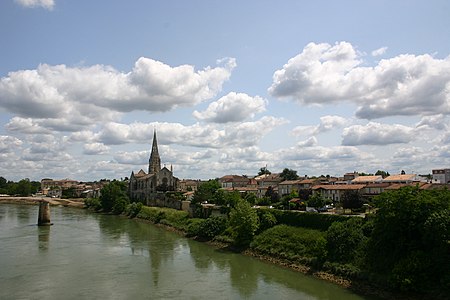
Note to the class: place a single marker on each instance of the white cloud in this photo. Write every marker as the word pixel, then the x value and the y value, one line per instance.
pixel 47 4
pixel 377 134
pixel 327 123
pixel 95 148
pixel 379 51
pixel 233 107
pixel 437 122
pixel 403 85
pixel 310 142
pixel 9 144
pixel 68 99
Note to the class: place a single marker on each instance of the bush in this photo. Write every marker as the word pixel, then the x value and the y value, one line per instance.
pixel 345 240
pixel 133 209
pixel 243 223
pixel 291 243
pixel 152 214
pixel 193 227
pixel 266 219
pixel 212 227
pixel 93 203
pixel 306 220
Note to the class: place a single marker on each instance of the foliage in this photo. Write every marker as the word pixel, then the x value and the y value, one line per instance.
pixel 383 174
pixel 316 200
pixel 251 198
pixel 133 209
pixel 291 243
pixel 243 223
pixel 206 191
pixel 168 216
pixel 345 241
pixel 410 239
pixel 93 203
pixel 345 270
pixel 24 187
pixel 194 227
pixel 212 227
pixel 306 220
pixel 113 197
pixel 263 171
pixel 266 219
pixel 68 193
pixel 289 174
pixel 352 200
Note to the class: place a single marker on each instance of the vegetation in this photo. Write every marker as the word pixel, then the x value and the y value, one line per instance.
pixel 263 171
pixel 293 243
pixel 114 197
pixel 289 174
pixel 244 223
pixel 23 188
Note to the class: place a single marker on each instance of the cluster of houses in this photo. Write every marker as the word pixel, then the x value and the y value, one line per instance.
pixel 331 188
pixel 55 188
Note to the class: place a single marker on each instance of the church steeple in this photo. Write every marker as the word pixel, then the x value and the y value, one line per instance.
pixel 154 163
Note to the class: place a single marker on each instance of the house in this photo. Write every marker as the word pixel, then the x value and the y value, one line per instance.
pixel 233 181
pixel 441 175
pixel 373 189
pixel 267 180
pixel 287 186
pixel 336 191
pixel 367 179
pixel 189 185
pixel 403 178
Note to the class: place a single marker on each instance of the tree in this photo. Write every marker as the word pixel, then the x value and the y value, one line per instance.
pixel 244 223
pixel 344 240
pixel 251 198
pixel 316 201
pixel 113 197
pixel 23 187
pixel 409 242
pixel 352 200
pixel 289 174
pixel 383 174
pixel 206 191
pixel 263 171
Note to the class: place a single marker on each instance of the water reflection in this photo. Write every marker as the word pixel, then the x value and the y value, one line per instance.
pixel 43 237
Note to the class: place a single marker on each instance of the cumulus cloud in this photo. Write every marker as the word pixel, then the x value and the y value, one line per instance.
pixel 438 122
pixel 47 4
pixel 312 141
pixel 327 123
pixel 95 148
pixel 377 134
pixel 379 51
pixel 196 135
pixel 403 85
pixel 9 144
pixel 66 99
pixel 233 107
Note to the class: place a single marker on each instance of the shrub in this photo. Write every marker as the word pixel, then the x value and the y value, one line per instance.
pixel 344 240
pixel 193 227
pixel 151 214
pixel 306 220
pixel 119 206
pixel 93 203
pixel 266 219
pixel 243 223
pixel 212 227
pixel 291 243
pixel 133 209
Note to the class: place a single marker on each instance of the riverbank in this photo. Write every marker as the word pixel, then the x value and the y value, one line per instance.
pixel 79 203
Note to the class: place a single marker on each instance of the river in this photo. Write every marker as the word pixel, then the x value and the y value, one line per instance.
pixel 92 256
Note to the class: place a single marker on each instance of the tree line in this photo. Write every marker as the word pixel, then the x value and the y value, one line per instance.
pixel 23 187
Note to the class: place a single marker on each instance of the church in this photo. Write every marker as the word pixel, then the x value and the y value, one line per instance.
pixel 145 187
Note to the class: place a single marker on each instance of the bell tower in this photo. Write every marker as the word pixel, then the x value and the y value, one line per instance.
pixel 154 163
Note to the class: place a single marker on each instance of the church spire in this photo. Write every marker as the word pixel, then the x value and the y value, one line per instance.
pixel 154 163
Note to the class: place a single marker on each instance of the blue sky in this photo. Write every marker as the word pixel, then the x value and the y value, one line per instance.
pixel 321 87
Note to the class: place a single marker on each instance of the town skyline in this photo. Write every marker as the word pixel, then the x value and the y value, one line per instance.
pixel 320 88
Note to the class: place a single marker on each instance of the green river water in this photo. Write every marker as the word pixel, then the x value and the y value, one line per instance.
pixel 92 256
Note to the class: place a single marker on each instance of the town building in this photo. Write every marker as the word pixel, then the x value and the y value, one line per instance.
pixel 441 175
pixel 145 187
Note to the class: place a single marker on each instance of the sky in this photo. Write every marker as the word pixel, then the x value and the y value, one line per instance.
pixel 320 87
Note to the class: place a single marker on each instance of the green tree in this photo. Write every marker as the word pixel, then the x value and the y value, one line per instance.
pixel 345 241
pixel 23 187
pixel 316 201
pixel 352 200
pixel 244 223
pixel 409 243
pixel 263 171
pixel 206 191
pixel 251 198
pixel 289 174
pixel 383 174
pixel 113 197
